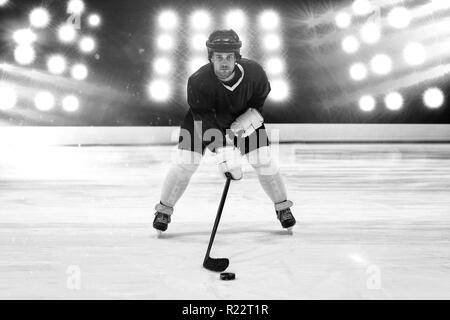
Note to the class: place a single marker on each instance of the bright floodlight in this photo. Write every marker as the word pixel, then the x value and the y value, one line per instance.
pixel 358 71
pixel 56 64
pixel 235 19
pixel 361 7
pixel 440 4
pixel 350 44
pixel 367 103
pixel 415 54
pixel 67 33
pixel 75 6
pixel 275 66
pixel 94 20
pixel 269 20
pixel 381 64
pixel 200 19
pixel 165 42
pixel 433 98
pixel 393 101
pixel 24 54
pixel 280 90
pixel 9 98
pixel 343 20
pixel 196 63
pixel 370 32
pixel 3 2
pixel 44 101
pixel 79 72
pixel 24 36
pixel 168 20
pixel 271 42
pixel 159 90
pixel 162 66
pixel 399 17
pixel 70 103
pixel 198 41
pixel 39 18
pixel 87 44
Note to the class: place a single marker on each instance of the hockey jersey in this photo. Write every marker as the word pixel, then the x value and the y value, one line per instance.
pixel 218 104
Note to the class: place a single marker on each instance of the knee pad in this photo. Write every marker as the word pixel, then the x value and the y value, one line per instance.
pixel 186 160
pixel 263 161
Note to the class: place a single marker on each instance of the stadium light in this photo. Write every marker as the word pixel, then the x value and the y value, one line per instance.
pixel 79 72
pixel 358 71
pixel 272 42
pixel 75 6
pixel 350 44
pixel 39 18
pixel 165 42
pixel 343 20
pixel 70 103
pixel 196 63
pixel 94 20
pixel 24 54
pixel 200 20
pixel 275 66
pixel 280 90
pixel 168 20
pixel 24 36
pixel 269 20
pixel 393 101
pixel 235 19
pixel 44 101
pixel 362 7
pixel 367 103
pixel 67 33
pixel 3 2
pixel 381 64
pixel 56 64
pixel 415 54
pixel 8 98
pixel 87 44
pixel 159 90
pixel 433 98
pixel 162 66
pixel 399 17
pixel 198 42
pixel 370 33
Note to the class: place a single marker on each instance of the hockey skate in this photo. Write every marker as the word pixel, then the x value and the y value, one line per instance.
pixel 162 218
pixel 285 215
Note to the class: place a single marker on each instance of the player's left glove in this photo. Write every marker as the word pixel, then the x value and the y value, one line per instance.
pixel 247 123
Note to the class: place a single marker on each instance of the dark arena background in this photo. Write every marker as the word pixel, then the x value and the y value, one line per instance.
pixel 92 94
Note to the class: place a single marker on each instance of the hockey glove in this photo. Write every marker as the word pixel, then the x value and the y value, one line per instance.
pixel 247 123
pixel 229 160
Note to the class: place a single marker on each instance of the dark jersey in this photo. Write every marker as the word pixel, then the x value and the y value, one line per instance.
pixel 218 104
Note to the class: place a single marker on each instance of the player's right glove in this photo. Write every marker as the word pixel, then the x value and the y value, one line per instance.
pixel 229 159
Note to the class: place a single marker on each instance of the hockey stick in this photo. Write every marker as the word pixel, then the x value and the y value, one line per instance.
pixel 217 264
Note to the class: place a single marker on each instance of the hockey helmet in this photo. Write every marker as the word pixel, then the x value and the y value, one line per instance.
pixel 224 41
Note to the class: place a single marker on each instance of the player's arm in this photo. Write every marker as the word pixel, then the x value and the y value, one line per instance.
pixel 252 119
pixel 201 105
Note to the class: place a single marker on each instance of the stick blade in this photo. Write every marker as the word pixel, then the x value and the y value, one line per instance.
pixel 216 264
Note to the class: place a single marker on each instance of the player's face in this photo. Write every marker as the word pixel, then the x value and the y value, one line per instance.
pixel 223 64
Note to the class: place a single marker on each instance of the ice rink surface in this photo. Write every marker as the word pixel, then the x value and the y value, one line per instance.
pixel 373 223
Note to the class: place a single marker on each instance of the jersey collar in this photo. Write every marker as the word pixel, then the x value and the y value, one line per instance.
pixel 231 88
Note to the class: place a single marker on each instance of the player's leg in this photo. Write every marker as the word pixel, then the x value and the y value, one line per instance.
pixel 258 152
pixel 185 162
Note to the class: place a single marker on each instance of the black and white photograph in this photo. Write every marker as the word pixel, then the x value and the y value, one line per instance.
pixel 217 150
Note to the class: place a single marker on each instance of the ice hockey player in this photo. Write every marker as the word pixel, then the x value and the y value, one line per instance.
pixel 226 97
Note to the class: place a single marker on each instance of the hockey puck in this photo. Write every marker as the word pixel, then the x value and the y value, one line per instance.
pixel 227 276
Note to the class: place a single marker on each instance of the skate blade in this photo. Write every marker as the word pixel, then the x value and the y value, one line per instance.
pixel 290 230
pixel 159 234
